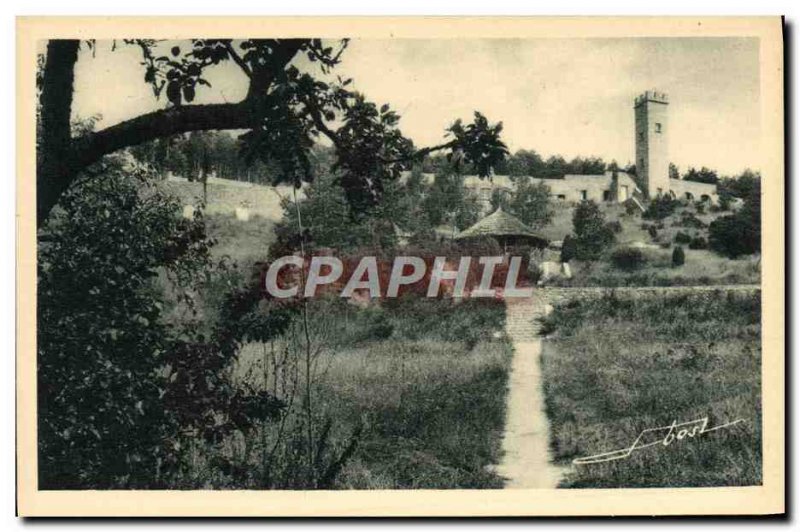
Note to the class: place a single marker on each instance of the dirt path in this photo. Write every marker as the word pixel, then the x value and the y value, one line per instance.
pixel 526 452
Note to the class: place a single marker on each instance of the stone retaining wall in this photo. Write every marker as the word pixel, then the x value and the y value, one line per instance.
pixel 555 295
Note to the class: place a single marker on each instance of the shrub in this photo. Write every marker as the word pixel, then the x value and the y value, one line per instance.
pixel 380 326
pixel 690 220
pixel 119 382
pixel 739 233
pixel 630 208
pixel 698 242
pixel 592 235
pixel 569 249
pixel 735 235
pixel 678 257
pixel 682 238
pixel 652 231
pixel 615 226
pixel 660 208
pixel 628 259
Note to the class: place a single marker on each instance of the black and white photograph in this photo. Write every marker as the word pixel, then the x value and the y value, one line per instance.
pixel 501 263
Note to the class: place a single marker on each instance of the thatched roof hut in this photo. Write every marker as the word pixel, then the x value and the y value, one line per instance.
pixel 504 227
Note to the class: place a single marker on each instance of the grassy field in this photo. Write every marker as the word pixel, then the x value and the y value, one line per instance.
pixel 431 394
pixel 614 367
pixel 702 267
pixel 242 241
pixel 424 379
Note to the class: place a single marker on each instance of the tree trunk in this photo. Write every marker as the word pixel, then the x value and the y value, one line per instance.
pixel 52 175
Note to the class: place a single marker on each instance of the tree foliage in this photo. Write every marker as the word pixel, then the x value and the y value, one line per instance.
pixel 660 207
pixel 569 249
pixel 528 163
pixel 284 112
pixel 628 258
pixel 678 257
pixel 448 202
pixel 529 202
pixel 591 233
pixel 118 381
pixel 740 233
pixel 704 175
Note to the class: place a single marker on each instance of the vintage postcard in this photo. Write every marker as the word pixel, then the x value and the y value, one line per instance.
pixel 400 266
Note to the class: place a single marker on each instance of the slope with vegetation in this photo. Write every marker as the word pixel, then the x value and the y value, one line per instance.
pixel 615 366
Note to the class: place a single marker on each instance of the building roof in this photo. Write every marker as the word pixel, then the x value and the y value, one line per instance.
pixel 499 224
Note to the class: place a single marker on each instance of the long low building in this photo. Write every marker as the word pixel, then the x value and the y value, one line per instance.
pixel 611 186
pixel 617 187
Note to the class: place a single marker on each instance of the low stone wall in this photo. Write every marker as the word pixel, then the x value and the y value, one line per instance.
pixel 234 198
pixel 556 296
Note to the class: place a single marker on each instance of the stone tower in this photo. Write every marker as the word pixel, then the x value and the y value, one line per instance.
pixel 652 142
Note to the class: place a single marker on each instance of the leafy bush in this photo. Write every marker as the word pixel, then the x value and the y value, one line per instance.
pixel 569 249
pixel 530 202
pixel 739 233
pixel 678 257
pixel 652 231
pixel 592 235
pixel 690 220
pixel 615 226
pixel 117 381
pixel 682 238
pixel 328 220
pixel 734 235
pixel 380 326
pixel 698 242
pixel 628 259
pixel 660 208
pixel 631 208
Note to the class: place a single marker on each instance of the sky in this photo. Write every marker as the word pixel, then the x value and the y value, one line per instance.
pixel 570 97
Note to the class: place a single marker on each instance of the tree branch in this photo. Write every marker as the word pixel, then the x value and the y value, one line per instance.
pixel 263 76
pixel 237 59
pixel 422 152
pixel 62 158
pixel 158 124
pixel 319 122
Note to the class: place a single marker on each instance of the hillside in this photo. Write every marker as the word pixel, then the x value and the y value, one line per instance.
pixel 701 266
pixel 226 196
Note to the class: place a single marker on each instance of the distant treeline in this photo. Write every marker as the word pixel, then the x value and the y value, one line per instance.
pixel 530 163
pixel 199 154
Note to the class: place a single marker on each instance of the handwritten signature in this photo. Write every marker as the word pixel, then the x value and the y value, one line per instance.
pixel 674 432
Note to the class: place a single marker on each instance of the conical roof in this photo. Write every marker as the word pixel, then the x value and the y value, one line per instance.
pixel 499 224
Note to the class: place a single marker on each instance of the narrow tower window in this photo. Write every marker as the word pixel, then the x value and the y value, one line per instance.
pixel 658 127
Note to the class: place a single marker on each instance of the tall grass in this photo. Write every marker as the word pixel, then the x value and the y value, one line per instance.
pixel 421 383
pixel 613 367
